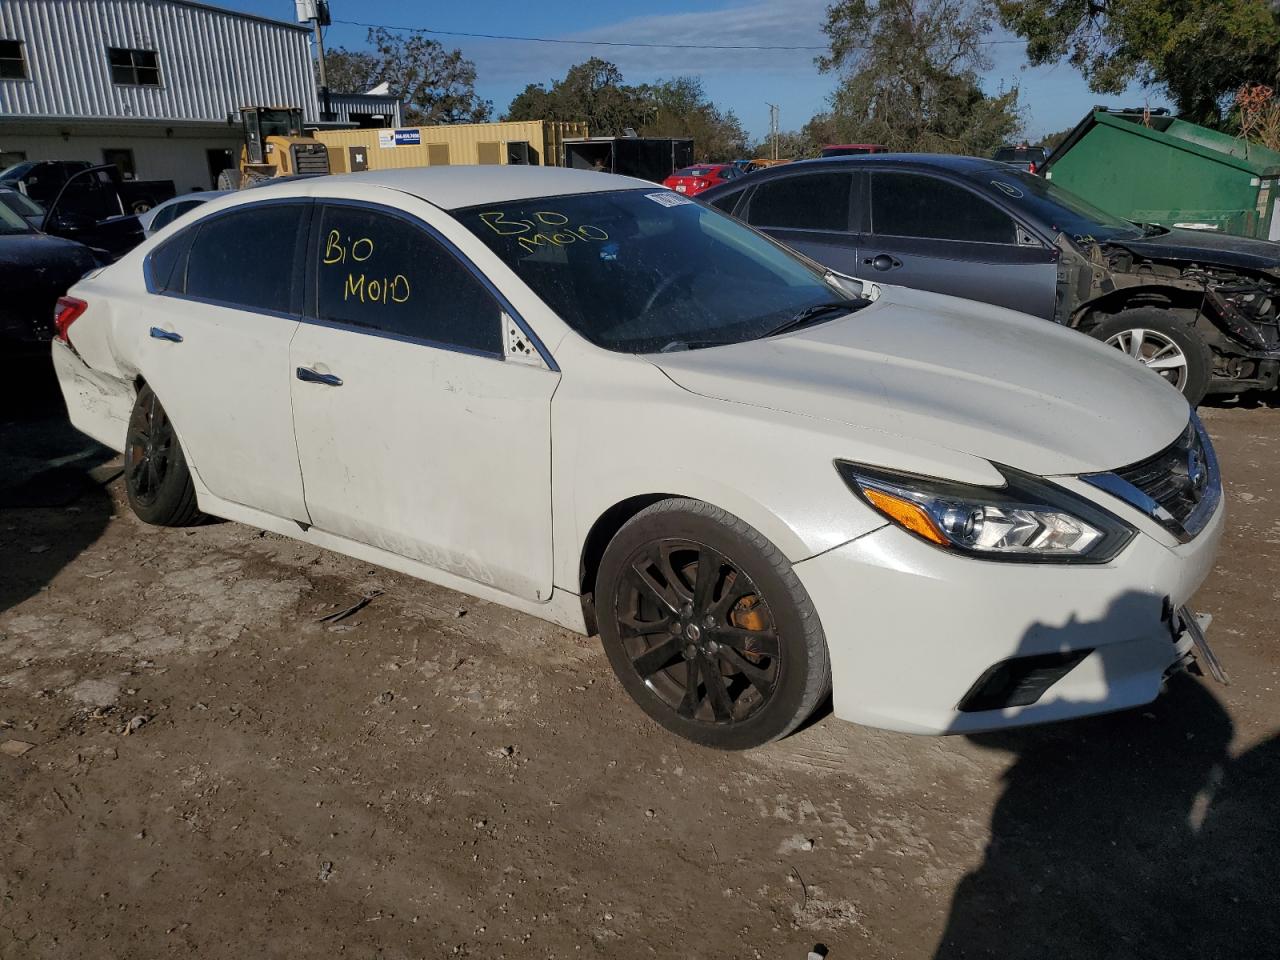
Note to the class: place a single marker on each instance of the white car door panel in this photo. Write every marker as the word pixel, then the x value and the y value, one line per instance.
pixel 221 369
pixel 436 452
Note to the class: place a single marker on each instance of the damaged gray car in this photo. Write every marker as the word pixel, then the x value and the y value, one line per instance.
pixel 1198 308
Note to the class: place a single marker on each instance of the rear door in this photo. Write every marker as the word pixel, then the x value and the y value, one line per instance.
pixel 415 434
pixel 812 212
pixel 213 340
pixel 934 234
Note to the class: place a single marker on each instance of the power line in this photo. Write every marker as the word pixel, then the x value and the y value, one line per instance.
pixel 585 43
pixel 599 43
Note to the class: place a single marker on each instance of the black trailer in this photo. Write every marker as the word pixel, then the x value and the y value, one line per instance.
pixel 649 158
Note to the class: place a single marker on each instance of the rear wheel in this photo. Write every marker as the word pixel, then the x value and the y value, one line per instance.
pixel 1164 344
pixel 708 628
pixel 156 477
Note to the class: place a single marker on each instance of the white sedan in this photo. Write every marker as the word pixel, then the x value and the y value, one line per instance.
pixel 163 214
pixel 593 400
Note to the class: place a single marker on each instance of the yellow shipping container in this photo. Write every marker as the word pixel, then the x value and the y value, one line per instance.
pixel 521 141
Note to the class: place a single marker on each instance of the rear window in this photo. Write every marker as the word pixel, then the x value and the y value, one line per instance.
pixel 695 172
pixel 1020 155
pixel 247 258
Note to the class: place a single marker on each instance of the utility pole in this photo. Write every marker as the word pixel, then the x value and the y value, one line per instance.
pixel 317 11
pixel 773 127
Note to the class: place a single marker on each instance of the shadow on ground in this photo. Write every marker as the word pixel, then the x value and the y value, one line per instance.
pixel 53 502
pixel 1131 835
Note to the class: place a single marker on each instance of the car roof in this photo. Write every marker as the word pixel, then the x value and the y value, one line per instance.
pixel 452 188
pixel 906 161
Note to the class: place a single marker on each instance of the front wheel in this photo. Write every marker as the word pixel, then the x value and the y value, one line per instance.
pixel 1164 344
pixel 708 628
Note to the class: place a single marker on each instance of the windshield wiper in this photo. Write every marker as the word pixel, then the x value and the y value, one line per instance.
pixel 811 314
pixel 676 346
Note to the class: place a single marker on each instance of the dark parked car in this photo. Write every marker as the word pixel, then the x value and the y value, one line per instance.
pixel 1202 309
pixel 1030 159
pixel 35 270
pixel 90 205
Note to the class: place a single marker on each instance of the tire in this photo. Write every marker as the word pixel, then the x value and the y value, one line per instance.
pixel 1154 336
pixel 140 206
pixel 753 627
pixel 229 179
pixel 156 478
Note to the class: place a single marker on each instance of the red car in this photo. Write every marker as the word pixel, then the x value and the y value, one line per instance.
pixel 701 177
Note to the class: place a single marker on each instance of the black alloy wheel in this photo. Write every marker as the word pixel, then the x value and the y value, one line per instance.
pixel 708 628
pixel 156 478
pixel 697 632
pixel 149 454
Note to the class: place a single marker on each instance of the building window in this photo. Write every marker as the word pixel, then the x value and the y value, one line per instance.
pixel 135 67
pixel 122 158
pixel 12 65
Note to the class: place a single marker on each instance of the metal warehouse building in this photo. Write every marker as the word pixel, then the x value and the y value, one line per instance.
pixel 153 86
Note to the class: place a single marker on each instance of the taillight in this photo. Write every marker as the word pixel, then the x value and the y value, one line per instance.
pixel 700 183
pixel 1031 167
pixel 65 314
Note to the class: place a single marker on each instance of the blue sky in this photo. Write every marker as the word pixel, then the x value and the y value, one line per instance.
pixel 1053 97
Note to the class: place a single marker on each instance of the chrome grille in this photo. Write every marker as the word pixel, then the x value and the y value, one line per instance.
pixel 1179 487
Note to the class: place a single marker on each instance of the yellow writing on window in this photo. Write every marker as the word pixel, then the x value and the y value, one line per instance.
pixel 542 228
pixel 336 250
pixel 376 289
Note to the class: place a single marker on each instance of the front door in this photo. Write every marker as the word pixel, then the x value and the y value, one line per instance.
pixel 932 234
pixel 415 435
pixel 216 350
pixel 811 213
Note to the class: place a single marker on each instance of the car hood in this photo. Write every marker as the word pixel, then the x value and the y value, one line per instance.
pixel 938 370
pixel 1207 248
pixel 24 252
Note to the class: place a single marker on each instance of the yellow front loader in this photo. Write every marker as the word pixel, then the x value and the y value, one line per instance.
pixel 274 146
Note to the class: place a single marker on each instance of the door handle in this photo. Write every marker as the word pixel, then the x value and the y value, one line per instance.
pixel 307 375
pixel 158 333
pixel 882 261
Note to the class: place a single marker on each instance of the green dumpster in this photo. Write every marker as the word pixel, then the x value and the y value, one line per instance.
pixel 1170 172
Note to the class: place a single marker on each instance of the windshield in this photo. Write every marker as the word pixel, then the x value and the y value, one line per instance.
pixel 1060 209
pixel 639 271
pixel 21 204
pixel 11 222
pixel 17 171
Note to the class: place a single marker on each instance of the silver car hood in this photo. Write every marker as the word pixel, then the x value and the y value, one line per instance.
pixel 973 378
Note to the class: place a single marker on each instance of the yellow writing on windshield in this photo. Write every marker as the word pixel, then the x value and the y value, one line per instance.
pixel 542 228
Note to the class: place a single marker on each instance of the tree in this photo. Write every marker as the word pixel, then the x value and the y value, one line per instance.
pixel 591 91
pixel 909 77
pixel 680 108
pixel 1200 51
pixel 436 85
pixel 594 92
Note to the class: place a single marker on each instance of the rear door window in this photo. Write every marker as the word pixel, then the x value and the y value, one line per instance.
pixel 918 205
pixel 248 258
pixel 382 272
pixel 727 201
pixel 811 201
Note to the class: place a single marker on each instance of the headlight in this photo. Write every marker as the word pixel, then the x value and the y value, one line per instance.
pixel 1026 520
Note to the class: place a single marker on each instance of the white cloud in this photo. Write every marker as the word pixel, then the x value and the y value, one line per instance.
pixel 790 23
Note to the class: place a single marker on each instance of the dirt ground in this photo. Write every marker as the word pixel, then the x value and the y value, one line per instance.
pixel 216 773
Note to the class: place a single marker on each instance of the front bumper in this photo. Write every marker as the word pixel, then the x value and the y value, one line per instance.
pixel 911 629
